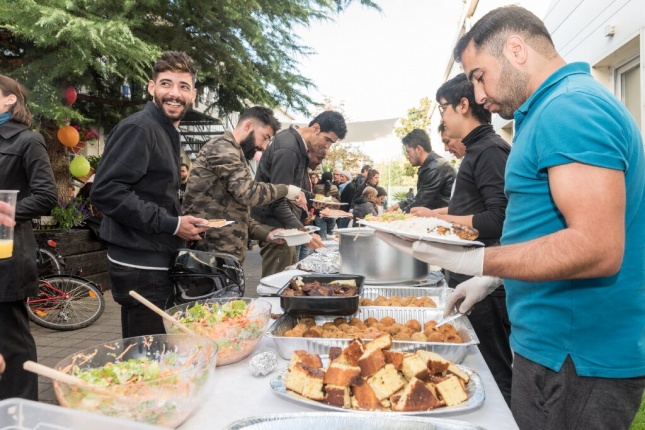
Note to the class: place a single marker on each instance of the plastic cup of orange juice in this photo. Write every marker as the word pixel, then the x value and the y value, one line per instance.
pixel 8 200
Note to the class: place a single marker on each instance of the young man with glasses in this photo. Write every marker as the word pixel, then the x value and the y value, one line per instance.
pixel 478 201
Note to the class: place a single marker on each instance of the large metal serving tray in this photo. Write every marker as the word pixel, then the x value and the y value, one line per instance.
pixel 436 293
pixel 452 351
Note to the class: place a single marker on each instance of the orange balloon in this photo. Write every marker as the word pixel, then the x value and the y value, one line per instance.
pixel 68 136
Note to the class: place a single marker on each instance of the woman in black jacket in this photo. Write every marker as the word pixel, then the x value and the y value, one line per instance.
pixel 26 168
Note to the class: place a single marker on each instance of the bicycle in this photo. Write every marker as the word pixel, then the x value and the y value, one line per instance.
pixel 49 261
pixel 66 302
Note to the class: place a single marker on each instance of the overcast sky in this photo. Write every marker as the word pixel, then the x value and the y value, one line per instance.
pixel 381 64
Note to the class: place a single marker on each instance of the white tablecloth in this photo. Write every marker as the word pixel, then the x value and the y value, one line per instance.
pixel 237 394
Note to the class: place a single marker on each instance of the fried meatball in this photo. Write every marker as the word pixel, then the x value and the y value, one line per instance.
pixel 414 325
pixel 311 333
pixel 387 321
pixel 308 321
pixel 340 320
pixel 448 329
pixel 367 302
pixel 401 336
pixel 435 336
pixel 344 327
pixel 329 325
pixel 429 325
pixel 419 337
pixel 380 301
pixel 356 322
pixel 454 338
pixel 370 321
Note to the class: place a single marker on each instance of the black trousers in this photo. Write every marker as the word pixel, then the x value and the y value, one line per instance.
pixel 154 285
pixel 548 400
pixel 493 328
pixel 489 319
pixel 17 345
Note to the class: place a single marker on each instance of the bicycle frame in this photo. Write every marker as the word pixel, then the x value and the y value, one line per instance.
pixel 44 296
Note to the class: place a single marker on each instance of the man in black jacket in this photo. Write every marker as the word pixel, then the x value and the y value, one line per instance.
pixel 285 162
pixel 435 176
pixel 479 201
pixel 137 189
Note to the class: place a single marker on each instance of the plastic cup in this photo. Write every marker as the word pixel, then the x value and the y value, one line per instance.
pixel 8 200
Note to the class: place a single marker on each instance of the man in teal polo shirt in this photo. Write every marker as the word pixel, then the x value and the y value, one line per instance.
pixel 573 243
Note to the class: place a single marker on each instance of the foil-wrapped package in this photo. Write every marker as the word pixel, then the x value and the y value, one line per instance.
pixel 264 363
pixel 318 262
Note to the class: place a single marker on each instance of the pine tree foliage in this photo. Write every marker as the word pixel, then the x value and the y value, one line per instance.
pixel 51 45
pixel 246 50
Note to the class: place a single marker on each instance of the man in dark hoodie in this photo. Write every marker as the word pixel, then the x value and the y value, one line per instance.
pixel 136 188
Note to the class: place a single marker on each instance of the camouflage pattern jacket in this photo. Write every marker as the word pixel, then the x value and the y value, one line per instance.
pixel 220 186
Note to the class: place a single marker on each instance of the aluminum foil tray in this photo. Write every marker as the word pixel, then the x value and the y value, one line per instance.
pixel 452 351
pixel 348 420
pixel 475 389
pixel 438 293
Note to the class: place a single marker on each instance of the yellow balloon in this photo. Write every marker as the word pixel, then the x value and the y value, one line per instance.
pixel 79 166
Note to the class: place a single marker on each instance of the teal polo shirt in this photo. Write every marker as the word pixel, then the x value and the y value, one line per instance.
pixel 599 322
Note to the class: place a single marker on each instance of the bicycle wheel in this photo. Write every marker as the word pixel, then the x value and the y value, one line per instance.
pixel 66 303
pixel 49 262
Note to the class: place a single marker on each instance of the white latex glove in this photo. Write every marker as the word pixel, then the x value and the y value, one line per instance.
pixel 293 192
pixel 456 258
pixel 470 292
pixel 459 259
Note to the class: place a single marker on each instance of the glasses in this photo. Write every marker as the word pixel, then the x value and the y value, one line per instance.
pixel 442 107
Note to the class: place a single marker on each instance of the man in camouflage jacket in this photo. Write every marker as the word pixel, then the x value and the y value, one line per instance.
pixel 220 185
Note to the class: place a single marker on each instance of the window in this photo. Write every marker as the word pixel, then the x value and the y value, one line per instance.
pixel 628 87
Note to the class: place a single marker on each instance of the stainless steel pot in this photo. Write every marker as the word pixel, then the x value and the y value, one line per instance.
pixel 362 253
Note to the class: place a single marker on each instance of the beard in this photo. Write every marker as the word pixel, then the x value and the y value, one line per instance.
pixel 512 90
pixel 248 146
pixel 159 102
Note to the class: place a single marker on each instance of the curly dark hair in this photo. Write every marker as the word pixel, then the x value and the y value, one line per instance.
pixel 174 61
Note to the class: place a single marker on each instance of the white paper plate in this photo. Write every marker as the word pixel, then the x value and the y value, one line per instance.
pixel 328 203
pixel 425 237
pixel 215 226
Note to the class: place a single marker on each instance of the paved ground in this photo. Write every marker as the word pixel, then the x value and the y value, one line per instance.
pixel 54 345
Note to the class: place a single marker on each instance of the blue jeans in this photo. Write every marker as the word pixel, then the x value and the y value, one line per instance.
pixel 302 252
pixel 154 285
pixel 326 226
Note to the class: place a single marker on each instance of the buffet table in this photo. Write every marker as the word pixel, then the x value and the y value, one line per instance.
pixel 237 394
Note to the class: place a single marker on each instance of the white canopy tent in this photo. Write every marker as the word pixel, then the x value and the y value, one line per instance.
pixel 362 131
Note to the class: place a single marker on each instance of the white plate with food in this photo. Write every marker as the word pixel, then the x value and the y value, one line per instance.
pixel 295 236
pixel 297 231
pixel 215 223
pixel 334 213
pixel 330 203
pixel 474 389
pixel 427 229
